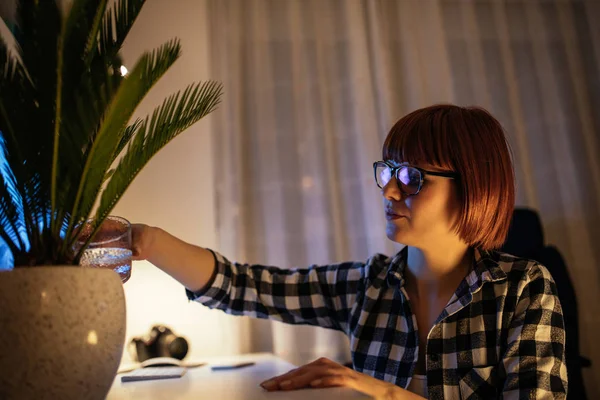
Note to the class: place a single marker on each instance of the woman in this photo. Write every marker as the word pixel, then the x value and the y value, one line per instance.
pixel 447 317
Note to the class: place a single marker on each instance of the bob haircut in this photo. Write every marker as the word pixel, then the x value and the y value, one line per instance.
pixel 470 142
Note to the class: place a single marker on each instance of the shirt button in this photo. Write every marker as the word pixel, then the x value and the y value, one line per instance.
pixel 434 357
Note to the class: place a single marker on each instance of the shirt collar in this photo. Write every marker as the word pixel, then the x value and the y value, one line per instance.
pixel 485 269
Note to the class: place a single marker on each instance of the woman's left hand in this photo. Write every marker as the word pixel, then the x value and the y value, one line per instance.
pixel 324 373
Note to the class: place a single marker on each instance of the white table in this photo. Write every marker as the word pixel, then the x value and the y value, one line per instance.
pixel 239 384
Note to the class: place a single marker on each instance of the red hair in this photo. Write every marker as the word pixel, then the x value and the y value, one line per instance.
pixel 472 143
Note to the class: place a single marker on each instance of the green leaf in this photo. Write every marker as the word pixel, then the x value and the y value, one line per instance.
pixel 119 19
pixel 81 30
pixel 57 120
pixel 11 214
pixel 132 90
pixel 86 96
pixel 177 113
pixel 129 132
pixel 37 33
pixel 17 104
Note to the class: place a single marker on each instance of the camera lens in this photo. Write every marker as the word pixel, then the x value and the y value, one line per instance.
pixel 178 347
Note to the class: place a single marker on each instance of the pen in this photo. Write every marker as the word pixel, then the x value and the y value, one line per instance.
pixel 232 366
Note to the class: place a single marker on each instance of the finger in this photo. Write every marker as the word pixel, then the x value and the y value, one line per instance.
pixel 296 382
pixel 137 241
pixel 273 383
pixel 136 254
pixel 301 379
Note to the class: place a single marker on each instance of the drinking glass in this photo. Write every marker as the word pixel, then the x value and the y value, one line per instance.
pixel 110 247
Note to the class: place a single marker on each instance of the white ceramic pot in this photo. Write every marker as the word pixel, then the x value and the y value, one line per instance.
pixel 62 331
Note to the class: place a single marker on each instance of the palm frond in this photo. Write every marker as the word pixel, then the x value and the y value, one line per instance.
pixel 17 107
pixel 80 33
pixel 57 120
pixel 132 90
pixel 37 32
pixel 129 132
pixel 12 79
pixel 173 116
pixel 88 106
pixel 11 213
pixel 32 96
pixel 79 28
pixel 119 19
pixel 86 97
pixel 12 223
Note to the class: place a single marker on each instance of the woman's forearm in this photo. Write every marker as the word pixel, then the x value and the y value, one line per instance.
pixel 191 265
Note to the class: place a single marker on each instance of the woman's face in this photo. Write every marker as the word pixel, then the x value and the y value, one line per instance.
pixel 425 218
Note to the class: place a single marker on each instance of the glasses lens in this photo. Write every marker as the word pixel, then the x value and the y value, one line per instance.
pixel 409 179
pixel 383 174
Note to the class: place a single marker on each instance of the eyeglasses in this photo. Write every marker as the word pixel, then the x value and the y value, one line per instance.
pixel 409 178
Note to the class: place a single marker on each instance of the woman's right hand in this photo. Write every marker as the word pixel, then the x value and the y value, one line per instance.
pixel 141 241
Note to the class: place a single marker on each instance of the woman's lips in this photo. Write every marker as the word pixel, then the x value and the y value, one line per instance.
pixel 390 216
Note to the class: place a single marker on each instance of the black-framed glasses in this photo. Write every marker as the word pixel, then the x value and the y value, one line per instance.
pixel 410 179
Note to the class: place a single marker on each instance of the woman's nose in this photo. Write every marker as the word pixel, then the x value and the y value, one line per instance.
pixel 391 191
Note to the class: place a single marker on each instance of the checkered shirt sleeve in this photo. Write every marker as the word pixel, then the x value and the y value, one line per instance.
pixel 534 358
pixel 319 295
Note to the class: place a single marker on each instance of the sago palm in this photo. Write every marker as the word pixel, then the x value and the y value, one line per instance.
pixel 68 147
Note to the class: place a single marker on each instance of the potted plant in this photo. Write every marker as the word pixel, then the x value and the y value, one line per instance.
pixel 68 152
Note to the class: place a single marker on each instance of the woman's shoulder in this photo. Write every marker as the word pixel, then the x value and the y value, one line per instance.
pixel 520 270
pixel 376 266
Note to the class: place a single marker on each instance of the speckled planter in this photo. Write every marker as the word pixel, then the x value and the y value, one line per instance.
pixel 62 331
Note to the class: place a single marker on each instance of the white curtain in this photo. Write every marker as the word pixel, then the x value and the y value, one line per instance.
pixel 313 86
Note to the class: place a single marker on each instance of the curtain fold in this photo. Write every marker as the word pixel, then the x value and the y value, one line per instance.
pixel 313 86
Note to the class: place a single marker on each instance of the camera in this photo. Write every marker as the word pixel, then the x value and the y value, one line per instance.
pixel 160 342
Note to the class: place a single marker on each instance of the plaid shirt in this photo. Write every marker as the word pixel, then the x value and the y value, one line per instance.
pixel 500 335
